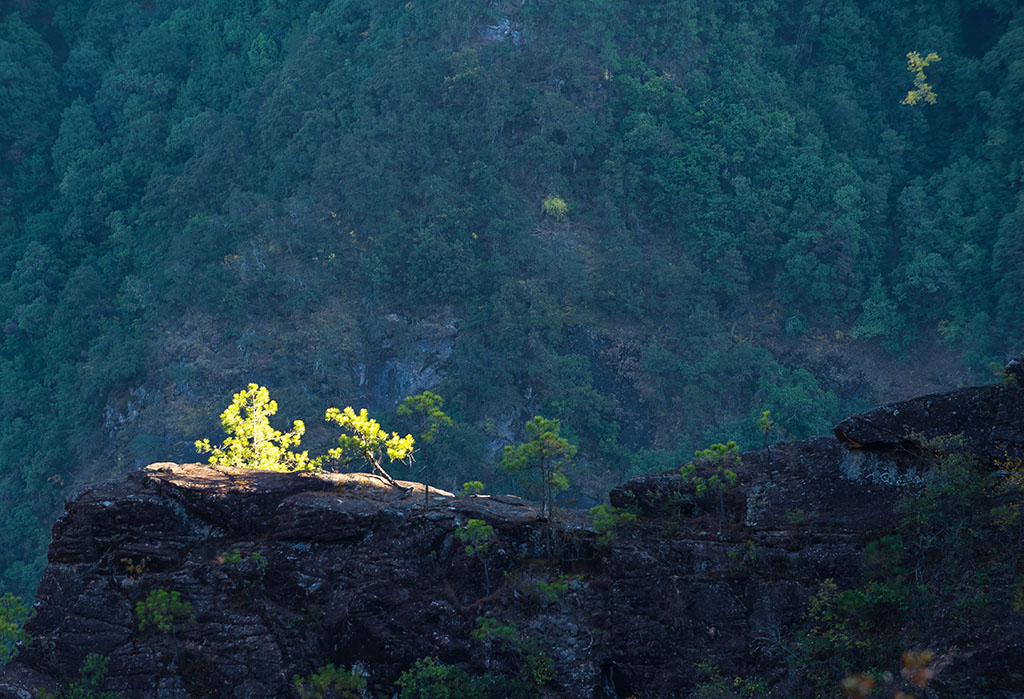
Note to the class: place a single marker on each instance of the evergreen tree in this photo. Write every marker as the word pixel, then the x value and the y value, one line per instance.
pixel 251 441
pixel 364 440
pixel 545 452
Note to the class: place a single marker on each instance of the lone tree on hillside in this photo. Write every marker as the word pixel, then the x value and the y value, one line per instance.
pixel 547 453
pixel 251 441
pixel 364 440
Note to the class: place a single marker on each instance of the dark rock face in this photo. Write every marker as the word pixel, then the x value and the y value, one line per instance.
pixel 987 418
pixel 1015 370
pixel 289 572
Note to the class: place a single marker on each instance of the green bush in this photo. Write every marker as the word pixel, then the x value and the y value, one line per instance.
pixel 471 488
pixel 608 520
pixel 476 535
pixel 714 685
pixel 330 682
pixel 92 672
pixel 536 667
pixel 163 610
pixel 557 589
pixel 429 679
pixel 722 458
pixel 555 207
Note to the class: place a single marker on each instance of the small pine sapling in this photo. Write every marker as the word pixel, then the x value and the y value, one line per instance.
pixel 477 535
pixel 329 681
pixel 721 456
pixel 608 519
pixel 429 406
pixel 545 452
pixel 767 427
pixel 164 610
pixel 471 488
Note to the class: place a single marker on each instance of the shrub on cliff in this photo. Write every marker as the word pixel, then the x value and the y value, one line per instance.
pixel 164 611
pixel 330 681
pixel 430 679
pixel 722 457
pixel 608 519
pixel 477 535
pixel 251 441
pixel 92 672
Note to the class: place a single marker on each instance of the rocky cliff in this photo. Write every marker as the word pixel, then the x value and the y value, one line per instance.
pixel 285 573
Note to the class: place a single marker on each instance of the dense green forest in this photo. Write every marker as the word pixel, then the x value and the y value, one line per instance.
pixel 624 215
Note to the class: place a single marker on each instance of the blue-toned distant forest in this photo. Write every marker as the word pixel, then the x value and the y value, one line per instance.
pixel 199 193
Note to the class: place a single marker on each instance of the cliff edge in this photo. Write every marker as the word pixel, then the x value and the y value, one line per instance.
pixel 284 573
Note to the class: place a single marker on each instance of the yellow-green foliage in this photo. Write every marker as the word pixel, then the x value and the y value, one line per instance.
pixel 365 440
pixel 490 630
pixel 767 425
pixel 429 405
pixel 471 488
pixel 720 454
pixel 476 535
pixel 922 91
pixel 557 589
pixel 555 207
pixel 251 441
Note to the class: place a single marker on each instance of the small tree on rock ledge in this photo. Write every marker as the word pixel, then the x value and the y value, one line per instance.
pixel 251 441
pixel 364 440
pixel 547 453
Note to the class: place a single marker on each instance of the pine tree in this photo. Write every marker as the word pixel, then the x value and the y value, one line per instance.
pixel 366 441
pixel 547 453
pixel 251 441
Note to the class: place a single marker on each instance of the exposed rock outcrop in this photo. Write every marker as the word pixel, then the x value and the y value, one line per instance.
pixel 986 420
pixel 288 572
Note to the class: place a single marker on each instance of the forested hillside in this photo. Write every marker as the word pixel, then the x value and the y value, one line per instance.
pixel 645 219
